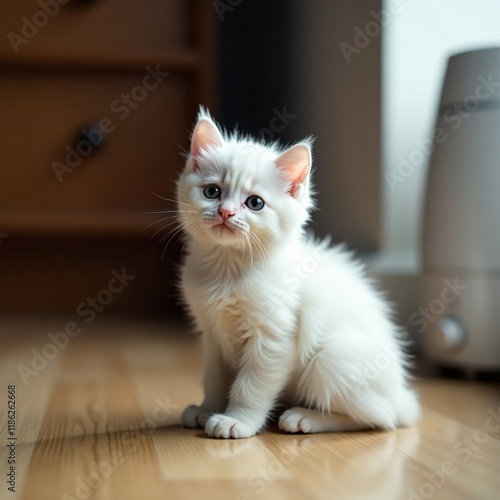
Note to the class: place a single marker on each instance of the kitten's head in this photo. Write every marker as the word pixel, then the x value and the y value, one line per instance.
pixel 238 192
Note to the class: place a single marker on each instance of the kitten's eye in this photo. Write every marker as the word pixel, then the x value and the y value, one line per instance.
pixel 212 191
pixel 255 203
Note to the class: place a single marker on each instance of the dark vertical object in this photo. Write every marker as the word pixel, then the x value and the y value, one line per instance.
pixel 254 51
pixel 204 40
pixel 286 55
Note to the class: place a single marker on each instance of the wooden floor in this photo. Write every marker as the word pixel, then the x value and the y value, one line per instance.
pixel 100 420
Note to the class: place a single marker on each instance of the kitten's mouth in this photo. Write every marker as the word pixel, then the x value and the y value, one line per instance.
pixel 222 228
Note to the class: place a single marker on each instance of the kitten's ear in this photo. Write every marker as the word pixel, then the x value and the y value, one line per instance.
pixel 205 135
pixel 296 164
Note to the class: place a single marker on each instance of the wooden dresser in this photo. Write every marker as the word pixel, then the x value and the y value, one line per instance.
pixel 97 99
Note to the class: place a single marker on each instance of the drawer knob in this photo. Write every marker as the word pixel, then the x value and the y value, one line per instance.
pixel 91 137
pixel 81 4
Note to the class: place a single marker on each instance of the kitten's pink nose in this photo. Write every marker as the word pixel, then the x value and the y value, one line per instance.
pixel 227 210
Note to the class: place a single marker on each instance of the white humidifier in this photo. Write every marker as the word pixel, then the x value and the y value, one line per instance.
pixel 459 316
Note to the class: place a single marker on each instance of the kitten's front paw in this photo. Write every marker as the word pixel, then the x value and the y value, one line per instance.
pixel 194 417
pixel 222 426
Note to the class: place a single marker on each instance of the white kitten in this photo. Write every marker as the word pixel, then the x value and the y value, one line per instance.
pixel 282 316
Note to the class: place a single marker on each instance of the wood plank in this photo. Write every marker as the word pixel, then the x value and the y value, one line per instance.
pixel 446 395
pixel 92 431
pixel 111 404
pixel 33 393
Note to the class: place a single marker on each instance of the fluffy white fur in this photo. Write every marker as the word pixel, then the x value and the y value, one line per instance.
pixel 285 320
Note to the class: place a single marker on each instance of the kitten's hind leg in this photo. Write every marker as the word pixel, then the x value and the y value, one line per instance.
pixel 195 416
pixel 309 421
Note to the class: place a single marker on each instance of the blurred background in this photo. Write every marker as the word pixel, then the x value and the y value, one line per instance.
pixel 98 99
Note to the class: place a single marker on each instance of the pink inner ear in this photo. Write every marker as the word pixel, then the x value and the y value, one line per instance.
pixel 296 163
pixel 205 135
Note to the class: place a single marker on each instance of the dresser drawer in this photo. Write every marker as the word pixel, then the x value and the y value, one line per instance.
pixel 61 273
pixel 46 166
pixel 78 28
